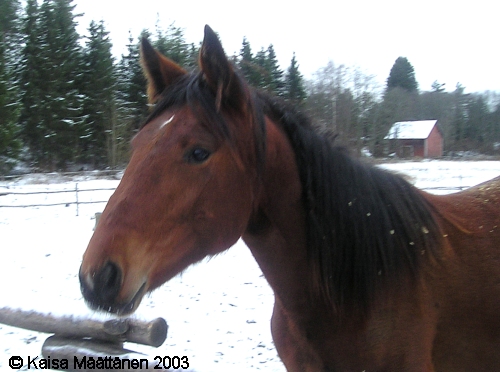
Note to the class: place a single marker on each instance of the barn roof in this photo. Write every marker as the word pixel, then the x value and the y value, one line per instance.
pixel 411 129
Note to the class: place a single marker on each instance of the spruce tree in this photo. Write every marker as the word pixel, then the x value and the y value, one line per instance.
pixel 10 143
pixel 9 130
pixel 276 83
pixel 402 75
pixel 459 115
pixel 99 85
pixel 11 34
pixel 437 87
pixel 51 82
pixel 132 84
pixel 32 84
pixel 268 75
pixel 294 83
pixel 477 128
pixel 172 44
pixel 68 67
pixel 260 68
pixel 247 64
pixel 9 11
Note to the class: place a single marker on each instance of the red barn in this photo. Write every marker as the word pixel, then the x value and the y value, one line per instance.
pixel 416 138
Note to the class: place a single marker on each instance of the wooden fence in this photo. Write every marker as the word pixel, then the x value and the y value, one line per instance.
pixel 98 174
pixel 74 197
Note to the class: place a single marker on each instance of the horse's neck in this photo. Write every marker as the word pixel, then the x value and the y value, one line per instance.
pixel 276 234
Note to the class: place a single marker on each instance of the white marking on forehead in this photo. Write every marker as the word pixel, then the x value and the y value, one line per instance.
pixel 167 122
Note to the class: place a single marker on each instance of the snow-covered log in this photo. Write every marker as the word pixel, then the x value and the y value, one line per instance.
pixel 151 333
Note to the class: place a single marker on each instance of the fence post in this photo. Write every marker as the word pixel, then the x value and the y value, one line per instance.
pixel 97 218
pixel 76 190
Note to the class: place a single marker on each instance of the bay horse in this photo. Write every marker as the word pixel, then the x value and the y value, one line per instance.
pixel 369 273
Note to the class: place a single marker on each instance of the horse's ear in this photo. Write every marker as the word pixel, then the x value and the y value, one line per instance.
pixel 159 70
pixel 219 72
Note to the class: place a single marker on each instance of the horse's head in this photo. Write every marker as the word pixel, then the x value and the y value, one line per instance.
pixel 190 187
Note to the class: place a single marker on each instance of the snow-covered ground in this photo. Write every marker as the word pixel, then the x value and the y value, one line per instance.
pixel 442 177
pixel 218 311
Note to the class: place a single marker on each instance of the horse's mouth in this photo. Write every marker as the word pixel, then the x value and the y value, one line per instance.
pixel 120 309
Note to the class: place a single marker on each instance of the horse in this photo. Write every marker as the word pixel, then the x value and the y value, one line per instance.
pixel 369 273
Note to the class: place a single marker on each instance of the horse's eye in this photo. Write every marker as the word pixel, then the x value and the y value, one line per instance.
pixel 197 155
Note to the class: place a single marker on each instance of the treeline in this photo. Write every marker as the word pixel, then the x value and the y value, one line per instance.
pixel 60 98
pixel 66 100
pixel 348 102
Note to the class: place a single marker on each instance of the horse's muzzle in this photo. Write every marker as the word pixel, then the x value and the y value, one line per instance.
pixel 101 289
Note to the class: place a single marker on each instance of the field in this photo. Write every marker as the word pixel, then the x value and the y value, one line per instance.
pixel 218 311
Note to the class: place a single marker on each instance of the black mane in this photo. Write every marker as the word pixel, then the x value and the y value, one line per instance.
pixel 366 227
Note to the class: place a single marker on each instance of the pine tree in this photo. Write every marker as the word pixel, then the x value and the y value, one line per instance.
pixel 294 83
pixel 99 85
pixel 402 75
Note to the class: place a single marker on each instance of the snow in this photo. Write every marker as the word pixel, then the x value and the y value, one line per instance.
pixel 411 129
pixel 440 177
pixel 218 311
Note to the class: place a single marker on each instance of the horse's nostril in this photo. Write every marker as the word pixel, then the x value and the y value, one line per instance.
pixel 107 282
pixel 110 276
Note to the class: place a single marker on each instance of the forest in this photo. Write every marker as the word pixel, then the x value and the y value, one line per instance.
pixel 66 102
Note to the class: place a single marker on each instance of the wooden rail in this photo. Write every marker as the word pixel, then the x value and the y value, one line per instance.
pixel 76 200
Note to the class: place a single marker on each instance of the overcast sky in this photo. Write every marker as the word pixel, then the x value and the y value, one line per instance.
pixel 448 41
